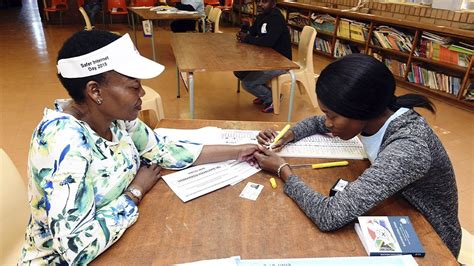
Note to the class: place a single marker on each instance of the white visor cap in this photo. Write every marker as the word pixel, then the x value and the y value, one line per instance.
pixel 119 55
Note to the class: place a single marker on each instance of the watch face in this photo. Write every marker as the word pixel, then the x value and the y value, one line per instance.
pixel 135 192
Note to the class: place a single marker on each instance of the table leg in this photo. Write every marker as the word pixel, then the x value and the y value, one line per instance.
pixel 153 40
pixel 203 25
pixel 191 94
pixel 134 30
pixel 292 94
pixel 179 83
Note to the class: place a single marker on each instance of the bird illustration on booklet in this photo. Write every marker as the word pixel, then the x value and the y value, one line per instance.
pixel 388 235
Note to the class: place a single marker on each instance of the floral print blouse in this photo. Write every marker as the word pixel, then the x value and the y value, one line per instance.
pixel 77 180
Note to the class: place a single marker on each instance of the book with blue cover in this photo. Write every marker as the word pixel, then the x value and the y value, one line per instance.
pixel 388 235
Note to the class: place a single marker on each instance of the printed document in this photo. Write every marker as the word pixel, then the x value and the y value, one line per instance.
pixel 316 146
pixel 198 180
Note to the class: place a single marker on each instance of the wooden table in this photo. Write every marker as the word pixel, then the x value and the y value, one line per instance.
pixel 197 52
pixel 147 14
pixel 221 224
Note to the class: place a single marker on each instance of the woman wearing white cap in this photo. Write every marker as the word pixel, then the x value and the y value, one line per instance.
pixel 86 168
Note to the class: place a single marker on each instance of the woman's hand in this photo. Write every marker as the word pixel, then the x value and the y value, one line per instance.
pixel 267 136
pixel 270 162
pixel 246 153
pixel 147 177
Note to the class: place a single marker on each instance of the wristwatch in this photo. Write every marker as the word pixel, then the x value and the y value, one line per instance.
pixel 135 192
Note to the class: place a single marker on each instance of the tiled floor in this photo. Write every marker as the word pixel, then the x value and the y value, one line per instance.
pixel 28 83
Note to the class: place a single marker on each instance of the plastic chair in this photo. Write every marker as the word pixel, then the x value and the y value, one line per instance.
pixel 151 102
pixel 117 7
pixel 466 255
pixel 214 17
pixel 207 10
pixel 56 6
pixel 15 211
pixel 304 75
pixel 147 3
pixel 86 19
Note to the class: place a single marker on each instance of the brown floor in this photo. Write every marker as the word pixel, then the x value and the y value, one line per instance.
pixel 28 50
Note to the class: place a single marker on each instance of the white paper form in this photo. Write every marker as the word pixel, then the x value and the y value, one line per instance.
pixel 405 260
pixel 198 180
pixel 205 135
pixel 316 146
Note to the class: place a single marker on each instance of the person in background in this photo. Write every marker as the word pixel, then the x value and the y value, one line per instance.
pixel 356 95
pixel 91 161
pixel 183 25
pixel 269 30
pixel 92 7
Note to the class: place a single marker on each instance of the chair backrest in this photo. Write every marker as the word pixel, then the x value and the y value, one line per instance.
pixel 14 210
pixel 144 3
pixel 305 48
pixel 229 3
pixel 80 3
pixel 151 102
pixel 207 10
pixel 59 4
pixel 120 5
pixel 86 18
pixel 466 254
pixel 215 17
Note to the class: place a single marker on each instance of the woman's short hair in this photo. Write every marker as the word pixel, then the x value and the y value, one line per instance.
pixel 81 43
pixel 359 86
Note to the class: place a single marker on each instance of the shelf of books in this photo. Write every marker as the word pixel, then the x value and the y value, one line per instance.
pixel 434 60
pixel 246 10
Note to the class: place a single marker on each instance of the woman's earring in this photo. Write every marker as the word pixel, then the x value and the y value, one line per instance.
pixel 99 101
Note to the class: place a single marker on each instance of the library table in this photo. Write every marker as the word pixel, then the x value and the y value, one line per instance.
pixel 146 14
pixel 221 224
pixel 222 52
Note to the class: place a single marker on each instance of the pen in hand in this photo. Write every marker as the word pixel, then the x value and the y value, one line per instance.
pixel 279 136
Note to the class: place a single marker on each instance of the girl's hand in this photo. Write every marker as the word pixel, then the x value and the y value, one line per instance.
pixel 270 162
pixel 267 136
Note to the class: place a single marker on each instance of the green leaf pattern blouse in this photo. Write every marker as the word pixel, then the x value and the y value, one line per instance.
pixel 76 184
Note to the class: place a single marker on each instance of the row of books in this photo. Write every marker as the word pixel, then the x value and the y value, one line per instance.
pixel 341 49
pixel 443 49
pixel 434 80
pixel 398 68
pixel 322 45
pixel 354 30
pixel 323 23
pixel 295 36
pixel 391 38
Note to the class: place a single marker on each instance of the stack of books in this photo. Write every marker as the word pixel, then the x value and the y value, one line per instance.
pixel 298 19
pixel 388 235
pixel 323 23
pixel 444 49
pixel 341 49
pixel 391 38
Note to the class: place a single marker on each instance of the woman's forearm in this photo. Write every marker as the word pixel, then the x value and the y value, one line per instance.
pixel 218 153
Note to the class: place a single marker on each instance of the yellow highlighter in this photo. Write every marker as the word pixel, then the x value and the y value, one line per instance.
pixel 280 135
pixel 321 165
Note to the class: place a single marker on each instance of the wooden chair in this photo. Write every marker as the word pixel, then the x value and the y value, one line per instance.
pixel 304 75
pixel 214 17
pixel 15 208
pixel 86 19
pixel 117 7
pixel 56 6
pixel 466 255
pixel 152 107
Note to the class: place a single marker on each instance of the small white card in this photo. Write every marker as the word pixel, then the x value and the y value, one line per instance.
pixel 147 28
pixel 251 191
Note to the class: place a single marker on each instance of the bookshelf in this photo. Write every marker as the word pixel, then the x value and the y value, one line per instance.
pixel 432 60
pixel 246 10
